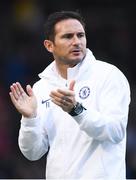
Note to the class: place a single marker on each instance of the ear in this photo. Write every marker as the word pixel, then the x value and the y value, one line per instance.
pixel 48 45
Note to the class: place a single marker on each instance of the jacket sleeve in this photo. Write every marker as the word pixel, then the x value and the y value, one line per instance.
pixel 109 121
pixel 33 141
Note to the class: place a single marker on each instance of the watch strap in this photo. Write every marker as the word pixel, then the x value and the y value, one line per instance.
pixel 77 109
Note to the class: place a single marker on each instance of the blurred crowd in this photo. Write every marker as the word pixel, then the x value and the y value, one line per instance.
pixel 110 29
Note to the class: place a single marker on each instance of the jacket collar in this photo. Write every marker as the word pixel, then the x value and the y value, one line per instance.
pixel 51 72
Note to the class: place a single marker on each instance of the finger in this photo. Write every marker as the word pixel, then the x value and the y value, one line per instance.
pixel 20 89
pixel 54 94
pixel 67 99
pixel 56 98
pixel 16 87
pixel 56 102
pixel 13 98
pixel 61 102
pixel 14 91
pixel 21 93
pixel 29 90
pixel 66 92
pixel 61 98
pixel 71 86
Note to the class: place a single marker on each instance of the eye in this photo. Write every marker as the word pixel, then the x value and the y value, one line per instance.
pixel 80 35
pixel 68 36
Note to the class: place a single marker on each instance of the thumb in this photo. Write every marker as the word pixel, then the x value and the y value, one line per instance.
pixel 72 84
pixel 29 90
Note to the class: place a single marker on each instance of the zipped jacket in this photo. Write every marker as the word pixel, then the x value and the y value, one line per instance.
pixel 91 145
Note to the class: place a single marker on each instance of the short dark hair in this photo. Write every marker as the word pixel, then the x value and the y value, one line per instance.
pixel 56 17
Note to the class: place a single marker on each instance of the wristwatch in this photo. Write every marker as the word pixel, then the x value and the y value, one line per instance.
pixel 77 109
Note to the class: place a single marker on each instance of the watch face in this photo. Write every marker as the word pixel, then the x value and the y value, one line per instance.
pixel 78 109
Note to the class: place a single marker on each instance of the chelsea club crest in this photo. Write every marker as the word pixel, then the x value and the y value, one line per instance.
pixel 84 92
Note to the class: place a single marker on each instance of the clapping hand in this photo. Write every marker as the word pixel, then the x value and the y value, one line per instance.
pixel 64 98
pixel 25 102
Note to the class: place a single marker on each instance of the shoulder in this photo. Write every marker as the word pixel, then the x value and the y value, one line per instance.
pixel 103 65
pixel 113 76
pixel 109 69
pixel 110 74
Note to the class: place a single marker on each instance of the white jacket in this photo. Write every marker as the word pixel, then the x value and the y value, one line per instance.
pixel 91 145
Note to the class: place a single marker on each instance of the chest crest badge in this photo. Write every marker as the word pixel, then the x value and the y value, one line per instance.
pixel 84 92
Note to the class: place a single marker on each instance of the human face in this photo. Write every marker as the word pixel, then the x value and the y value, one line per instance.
pixel 69 46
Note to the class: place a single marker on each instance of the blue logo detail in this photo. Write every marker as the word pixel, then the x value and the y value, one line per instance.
pixel 84 92
pixel 46 102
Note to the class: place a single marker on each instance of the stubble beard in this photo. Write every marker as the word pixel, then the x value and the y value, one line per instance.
pixel 70 62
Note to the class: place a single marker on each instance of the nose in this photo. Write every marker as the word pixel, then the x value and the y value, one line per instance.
pixel 76 40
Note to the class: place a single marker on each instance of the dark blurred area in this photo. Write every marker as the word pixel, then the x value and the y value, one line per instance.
pixel 111 33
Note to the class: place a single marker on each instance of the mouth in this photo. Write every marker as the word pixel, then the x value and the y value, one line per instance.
pixel 76 51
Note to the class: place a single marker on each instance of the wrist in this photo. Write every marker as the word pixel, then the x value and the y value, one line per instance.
pixel 77 109
pixel 30 116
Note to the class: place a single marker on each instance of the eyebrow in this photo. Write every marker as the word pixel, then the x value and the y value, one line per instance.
pixel 67 34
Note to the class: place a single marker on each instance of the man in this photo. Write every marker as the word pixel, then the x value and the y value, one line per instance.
pixel 78 110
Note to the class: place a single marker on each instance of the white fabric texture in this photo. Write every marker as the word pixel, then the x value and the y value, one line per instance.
pixel 91 145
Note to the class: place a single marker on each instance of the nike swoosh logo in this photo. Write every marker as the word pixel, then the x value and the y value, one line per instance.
pixel 44 101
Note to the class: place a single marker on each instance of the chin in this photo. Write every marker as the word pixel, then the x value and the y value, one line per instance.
pixel 74 62
pixel 78 59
